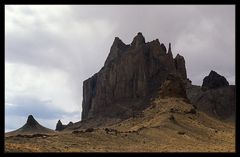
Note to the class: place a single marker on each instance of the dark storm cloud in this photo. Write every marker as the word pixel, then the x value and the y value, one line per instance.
pixel 56 40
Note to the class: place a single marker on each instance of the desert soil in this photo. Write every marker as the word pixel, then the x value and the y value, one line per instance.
pixel 166 126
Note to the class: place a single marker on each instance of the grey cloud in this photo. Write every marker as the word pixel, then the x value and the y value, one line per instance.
pixel 168 23
pixel 25 105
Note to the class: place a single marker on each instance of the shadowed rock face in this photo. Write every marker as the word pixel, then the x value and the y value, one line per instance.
pixel 60 126
pixel 31 121
pixel 180 66
pixel 130 77
pixel 215 97
pixel 173 86
pixel 214 80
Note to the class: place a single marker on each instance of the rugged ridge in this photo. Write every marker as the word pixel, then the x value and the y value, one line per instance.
pixel 214 80
pixel 131 75
pixel 60 126
pixel 215 97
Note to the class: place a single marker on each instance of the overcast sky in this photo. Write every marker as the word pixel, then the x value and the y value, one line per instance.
pixel 50 50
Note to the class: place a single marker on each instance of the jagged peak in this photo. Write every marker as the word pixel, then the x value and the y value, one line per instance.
pixel 213 73
pixel 163 47
pixel 214 80
pixel 178 56
pixel 118 43
pixel 138 40
pixel 170 51
pixel 31 121
pixel 70 123
pixel 59 121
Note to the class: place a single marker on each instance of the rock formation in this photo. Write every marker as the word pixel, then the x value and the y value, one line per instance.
pixel 173 86
pixel 214 80
pixel 134 74
pixel 60 126
pixel 130 77
pixel 216 97
pixel 180 66
pixel 31 127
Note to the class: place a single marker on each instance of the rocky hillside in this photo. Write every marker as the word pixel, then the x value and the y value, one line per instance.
pixel 131 76
pixel 168 125
pixel 215 97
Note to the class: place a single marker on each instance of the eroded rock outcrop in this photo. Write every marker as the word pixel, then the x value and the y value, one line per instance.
pixel 214 80
pixel 60 126
pixel 31 127
pixel 130 77
pixel 173 86
pixel 180 66
pixel 216 97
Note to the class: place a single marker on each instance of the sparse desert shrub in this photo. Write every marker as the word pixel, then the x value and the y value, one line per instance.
pixel 111 130
pixel 77 131
pixel 106 130
pixel 171 117
pixel 89 130
pixel 192 111
pixel 181 132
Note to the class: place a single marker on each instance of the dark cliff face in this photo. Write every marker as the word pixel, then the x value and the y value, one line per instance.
pixel 130 76
pixel 180 66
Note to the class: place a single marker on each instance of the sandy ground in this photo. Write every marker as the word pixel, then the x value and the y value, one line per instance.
pixel 166 126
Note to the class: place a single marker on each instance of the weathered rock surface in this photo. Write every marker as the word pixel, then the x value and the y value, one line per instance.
pixel 214 80
pixel 60 126
pixel 180 66
pixel 173 86
pixel 215 97
pixel 130 76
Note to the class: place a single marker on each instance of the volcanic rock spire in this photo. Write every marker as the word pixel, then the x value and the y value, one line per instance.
pixel 31 121
pixel 130 76
pixel 31 127
pixel 214 80
pixel 169 53
pixel 138 40
pixel 180 66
